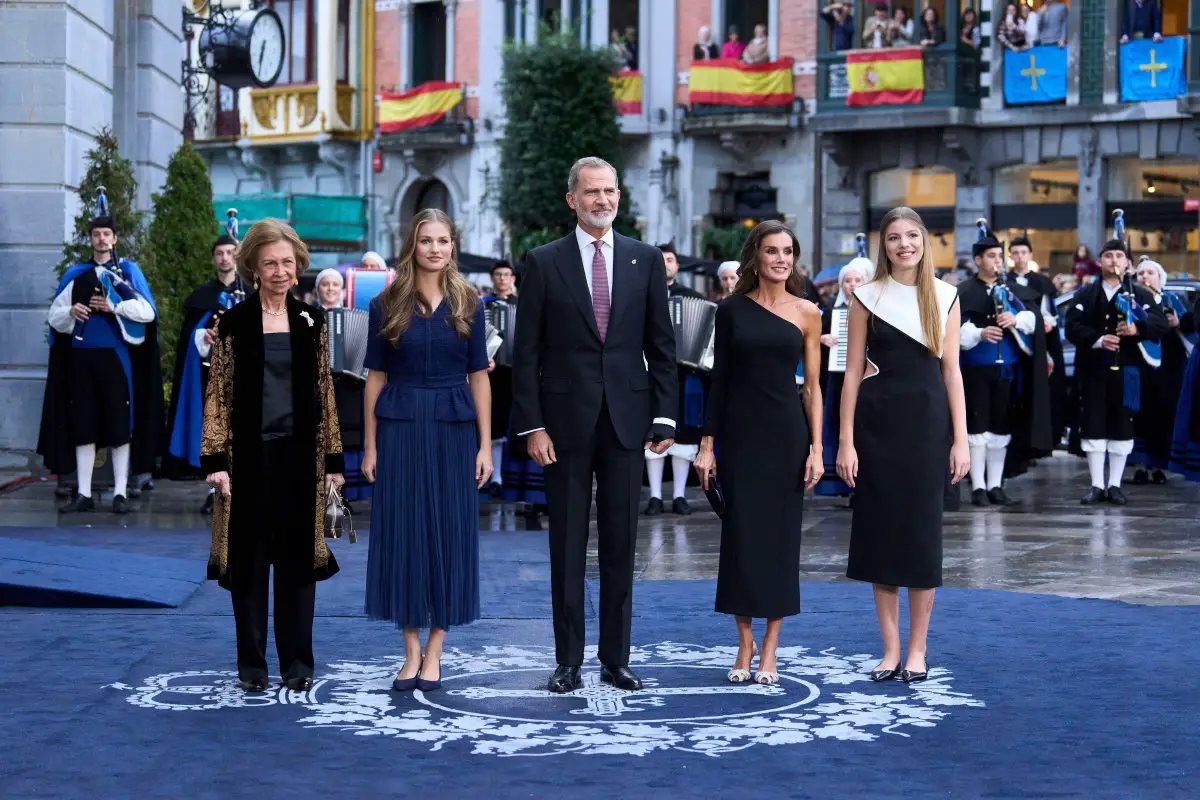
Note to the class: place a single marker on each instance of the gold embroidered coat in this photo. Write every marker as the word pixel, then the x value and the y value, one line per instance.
pixel 232 439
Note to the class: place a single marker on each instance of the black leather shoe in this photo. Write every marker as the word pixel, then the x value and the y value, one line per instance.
pixel 999 497
pixel 63 489
pixel 207 508
pixel 1140 478
pixel 78 503
pixel 298 684
pixel 880 675
pixel 255 685
pixel 1095 495
pixel 121 505
pixel 908 676
pixel 979 497
pixel 1159 478
pixel 1116 496
pixel 621 677
pixel 565 679
pixel 681 507
pixel 654 507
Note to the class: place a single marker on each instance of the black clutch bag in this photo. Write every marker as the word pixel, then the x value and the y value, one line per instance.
pixel 716 497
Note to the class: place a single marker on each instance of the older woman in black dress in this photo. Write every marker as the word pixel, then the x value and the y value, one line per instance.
pixel 770 439
pixel 271 449
pixel 903 417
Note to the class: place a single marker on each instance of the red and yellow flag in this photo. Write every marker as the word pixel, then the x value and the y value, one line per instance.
pixel 885 77
pixel 627 91
pixel 418 107
pixel 728 82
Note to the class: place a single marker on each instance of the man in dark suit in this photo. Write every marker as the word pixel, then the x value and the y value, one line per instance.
pixel 592 305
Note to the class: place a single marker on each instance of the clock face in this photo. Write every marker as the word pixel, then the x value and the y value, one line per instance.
pixel 266 47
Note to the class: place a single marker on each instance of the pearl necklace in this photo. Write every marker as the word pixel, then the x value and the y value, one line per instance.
pixel 280 313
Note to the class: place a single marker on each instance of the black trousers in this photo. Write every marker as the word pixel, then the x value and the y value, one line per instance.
pixel 1103 414
pixel 99 398
pixel 294 603
pixel 989 400
pixel 618 477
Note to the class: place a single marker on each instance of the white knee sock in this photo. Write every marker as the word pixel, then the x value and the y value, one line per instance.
pixel 679 474
pixel 654 470
pixel 497 457
pixel 120 465
pixel 1118 452
pixel 978 463
pixel 1096 468
pixel 85 460
pixel 995 466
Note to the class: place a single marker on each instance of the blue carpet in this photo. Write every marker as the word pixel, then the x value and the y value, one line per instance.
pixel 1030 696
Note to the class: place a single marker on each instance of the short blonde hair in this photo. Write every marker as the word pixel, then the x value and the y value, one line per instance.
pixel 262 233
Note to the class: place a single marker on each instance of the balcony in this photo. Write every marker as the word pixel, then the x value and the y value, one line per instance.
pixel 430 118
pixel 727 97
pixel 950 97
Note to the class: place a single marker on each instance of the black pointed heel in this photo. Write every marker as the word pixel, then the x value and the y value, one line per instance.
pixel 908 676
pixel 881 675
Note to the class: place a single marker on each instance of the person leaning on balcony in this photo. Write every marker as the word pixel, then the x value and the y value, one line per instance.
pixel 1143 20
pixel 618 45
pixel 841 26
pixel 1052 24
pixel 1011 30
pixel 734 46
pixel 901 30
pixel 758 51
pixel 706 48
pixel 932 31
pixel 1030 18
pixel 875 31
pixel 969 29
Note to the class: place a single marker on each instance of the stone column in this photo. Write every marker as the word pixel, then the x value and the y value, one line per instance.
pixel 406 45
pixel 971 203
pixel 326 44
pixel 1093 222
pixel 773 30
pixel 451 9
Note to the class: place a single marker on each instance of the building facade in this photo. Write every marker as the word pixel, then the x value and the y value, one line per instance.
pixel 70 69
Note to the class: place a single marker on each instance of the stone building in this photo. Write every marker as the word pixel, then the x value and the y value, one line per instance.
pixel 70 68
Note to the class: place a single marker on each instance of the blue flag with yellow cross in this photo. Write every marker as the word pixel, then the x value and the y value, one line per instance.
pixel 1036 75
pixel 1153 70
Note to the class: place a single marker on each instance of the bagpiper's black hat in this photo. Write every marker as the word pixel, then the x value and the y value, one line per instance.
pixel 103 218
pixel 1114 244
pixel 986 240
pixel 223 240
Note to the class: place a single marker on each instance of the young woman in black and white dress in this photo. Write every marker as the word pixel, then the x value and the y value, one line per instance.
pixel 903 423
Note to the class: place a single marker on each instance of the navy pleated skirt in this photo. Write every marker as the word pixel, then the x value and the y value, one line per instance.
pixel 423 562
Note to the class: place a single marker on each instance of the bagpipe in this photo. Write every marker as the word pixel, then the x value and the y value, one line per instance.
pixel 229 298
pixel 1003 299
pixel 113 286
pixel 1175 305
pixel 1128 308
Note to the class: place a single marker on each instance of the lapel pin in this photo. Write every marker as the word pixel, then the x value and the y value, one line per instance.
pixel 634 261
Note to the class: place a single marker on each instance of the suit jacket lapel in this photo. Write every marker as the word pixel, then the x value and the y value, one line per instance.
pixel 570 266
pixel 623 272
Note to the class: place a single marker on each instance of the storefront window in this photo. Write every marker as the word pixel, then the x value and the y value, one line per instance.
pixel 930 191
pixel 1041 203
pixel 1153 196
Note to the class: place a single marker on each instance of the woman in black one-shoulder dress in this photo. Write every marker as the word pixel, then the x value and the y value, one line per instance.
pixel 903 424
pixel 764 329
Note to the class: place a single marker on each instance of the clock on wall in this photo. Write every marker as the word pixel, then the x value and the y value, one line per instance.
pixel 245 49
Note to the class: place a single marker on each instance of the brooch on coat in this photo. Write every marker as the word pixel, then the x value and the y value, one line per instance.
pixel 307 318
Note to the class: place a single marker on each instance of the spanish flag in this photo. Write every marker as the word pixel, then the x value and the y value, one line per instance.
pixel 728 82
pixel 885 77
pixel 418 107
pixel 627 91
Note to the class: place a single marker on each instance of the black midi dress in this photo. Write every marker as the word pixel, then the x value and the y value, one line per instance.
pixel 762 441
pixel 902 433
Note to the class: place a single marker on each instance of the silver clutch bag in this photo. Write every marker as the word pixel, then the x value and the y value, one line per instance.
pixel 338 519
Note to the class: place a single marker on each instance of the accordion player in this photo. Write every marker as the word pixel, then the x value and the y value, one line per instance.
pixel 694 320
pixel 501 316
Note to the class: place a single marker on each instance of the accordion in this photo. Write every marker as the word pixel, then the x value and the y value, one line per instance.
pixel 348 333
pixel 694 320
pixel 501 317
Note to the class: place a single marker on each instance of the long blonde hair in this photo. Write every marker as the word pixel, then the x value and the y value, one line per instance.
pixel 400 300
pixel 927 301
pixel 747 280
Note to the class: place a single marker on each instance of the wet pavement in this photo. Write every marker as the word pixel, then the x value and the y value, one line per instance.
pixel 1147 552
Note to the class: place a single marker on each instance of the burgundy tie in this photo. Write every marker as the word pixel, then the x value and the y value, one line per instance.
pixel 600 290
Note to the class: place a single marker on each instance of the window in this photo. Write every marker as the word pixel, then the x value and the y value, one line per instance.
pixel 743 15
pixel 228 121
pixel 343 41
pixel 429 43
pixel 1152 195
pixel 512 21
pixel 930 191
pixel 623 30
pixel 299 30
pixel 1041 203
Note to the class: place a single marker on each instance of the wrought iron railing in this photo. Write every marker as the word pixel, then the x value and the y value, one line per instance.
pixel 951 79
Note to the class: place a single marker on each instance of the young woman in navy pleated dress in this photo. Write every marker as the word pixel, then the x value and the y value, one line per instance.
pixel 427 447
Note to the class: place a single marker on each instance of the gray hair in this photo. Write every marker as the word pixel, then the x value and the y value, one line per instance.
pixel 588 162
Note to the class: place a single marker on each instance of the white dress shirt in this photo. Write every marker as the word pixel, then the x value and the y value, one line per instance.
pixel 138 309
pixel 587 252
